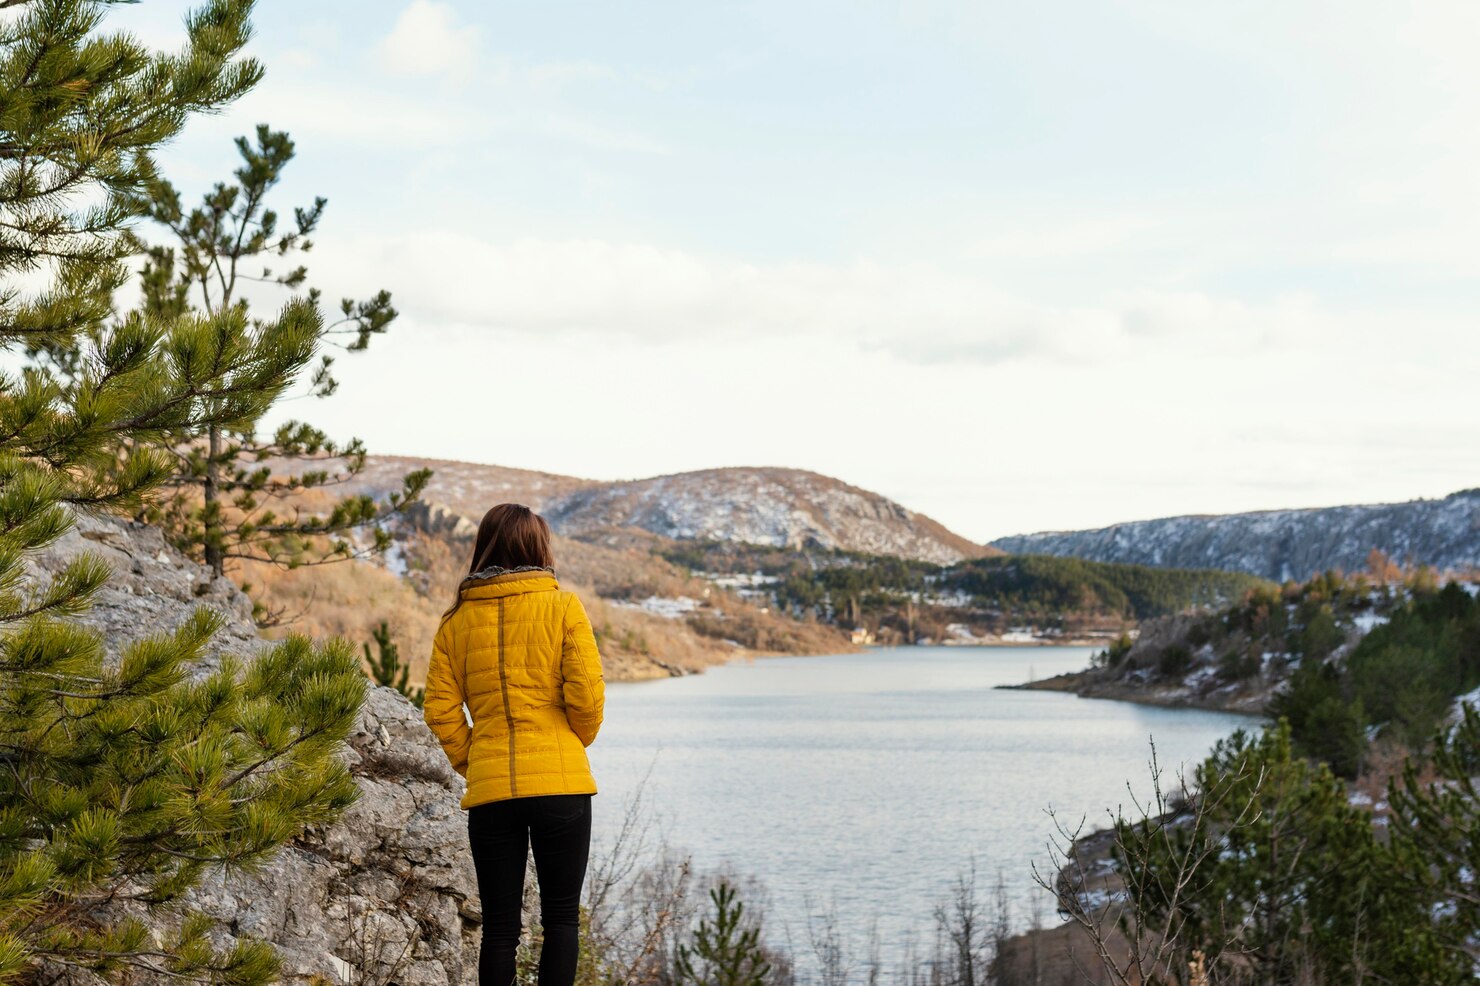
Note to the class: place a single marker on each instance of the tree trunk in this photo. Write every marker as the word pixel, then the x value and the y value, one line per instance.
pixel 212 525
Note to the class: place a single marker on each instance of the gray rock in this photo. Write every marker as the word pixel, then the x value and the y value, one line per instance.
pixel 385 895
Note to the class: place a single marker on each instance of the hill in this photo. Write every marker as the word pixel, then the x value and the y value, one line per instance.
pixel 1282 545
pixel 787 508
pixel 770 506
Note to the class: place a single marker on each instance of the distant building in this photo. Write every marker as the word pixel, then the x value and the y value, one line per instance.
pixel 862 635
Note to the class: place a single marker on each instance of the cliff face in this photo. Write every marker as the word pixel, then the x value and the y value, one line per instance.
pixel 387 894
pixel 1283 544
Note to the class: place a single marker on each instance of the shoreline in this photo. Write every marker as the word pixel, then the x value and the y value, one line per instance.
pixel 1087 684
pixel 659 670
pixel 987 642
pixel 1074 683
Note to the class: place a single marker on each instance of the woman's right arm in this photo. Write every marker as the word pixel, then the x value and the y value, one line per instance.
pixel 580 666
pixel 442 706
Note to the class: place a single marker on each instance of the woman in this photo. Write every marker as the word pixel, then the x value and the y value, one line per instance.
pixel 519 653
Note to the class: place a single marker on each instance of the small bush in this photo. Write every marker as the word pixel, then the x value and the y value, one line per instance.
pixel 725 949
pixel 1238 666
pixel 1174 661
pixel 1320 636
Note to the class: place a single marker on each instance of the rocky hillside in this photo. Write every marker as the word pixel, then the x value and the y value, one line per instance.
pixel 765 506
pixel 1384 639
pixel 385 895
pixel 1283 544
pixel 778 507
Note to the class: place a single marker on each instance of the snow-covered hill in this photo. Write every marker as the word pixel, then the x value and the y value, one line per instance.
pixel 781 507
pixel 1283 544
pixel 768 506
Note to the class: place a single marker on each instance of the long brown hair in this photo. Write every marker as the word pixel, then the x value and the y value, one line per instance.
pixel 510 536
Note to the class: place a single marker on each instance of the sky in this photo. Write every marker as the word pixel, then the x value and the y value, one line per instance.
pixel 1017 266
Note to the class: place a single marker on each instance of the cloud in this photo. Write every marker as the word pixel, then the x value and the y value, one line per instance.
pixel 427 40
pixel 917 313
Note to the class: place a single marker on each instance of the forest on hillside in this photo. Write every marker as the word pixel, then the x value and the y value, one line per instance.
pixel 913 601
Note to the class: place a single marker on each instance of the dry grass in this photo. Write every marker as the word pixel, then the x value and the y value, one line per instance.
pixel 351 598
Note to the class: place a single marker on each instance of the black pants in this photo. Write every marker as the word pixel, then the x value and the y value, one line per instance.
pixel 558 827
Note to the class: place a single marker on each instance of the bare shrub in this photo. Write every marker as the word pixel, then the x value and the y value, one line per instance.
pixel 964 933
pixel 637 899
pixel 825 937
pixel 1129 950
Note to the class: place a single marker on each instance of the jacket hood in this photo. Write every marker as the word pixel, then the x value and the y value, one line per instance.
pixel 495 580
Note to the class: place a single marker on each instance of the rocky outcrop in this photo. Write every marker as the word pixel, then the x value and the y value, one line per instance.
pixel 1195 679
pixel 385 895
pixel 438 518
pixel 1283 544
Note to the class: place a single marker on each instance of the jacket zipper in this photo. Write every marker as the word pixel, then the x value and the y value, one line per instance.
pixel 503 677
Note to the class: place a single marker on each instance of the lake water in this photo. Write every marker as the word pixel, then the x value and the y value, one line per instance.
pixel 867 782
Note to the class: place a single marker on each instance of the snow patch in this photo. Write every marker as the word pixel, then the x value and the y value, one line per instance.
pixel 1198 677
pixel 1095 900
pixel 1457 710
pixel 962 632
pixel 395 561
pixel 668 609
pixel 742 580
pixel 954 600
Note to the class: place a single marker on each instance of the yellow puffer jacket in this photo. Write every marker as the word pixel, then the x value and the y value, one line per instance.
pixel 520 653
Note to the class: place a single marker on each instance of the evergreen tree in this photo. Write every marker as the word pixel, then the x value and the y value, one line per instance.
pixel 1436 833
pixel 1290 880
pixel 235 493
pixel 1325 723
pixel 124 777
pixel 724 950
pixel 386 667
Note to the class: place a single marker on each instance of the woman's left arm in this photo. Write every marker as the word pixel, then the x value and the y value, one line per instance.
pixel 442 706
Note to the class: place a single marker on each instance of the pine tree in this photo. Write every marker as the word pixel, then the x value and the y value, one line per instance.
pixel 125 776
pixel 1436 833
pixel 386 667
pixel 235 493
pixel 1279 877
pixel 725 951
